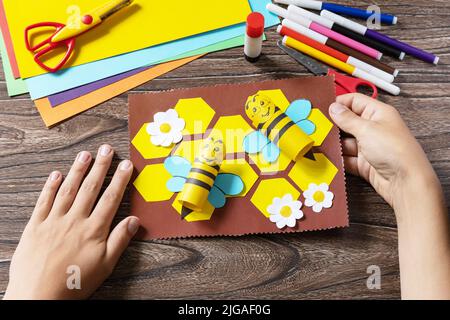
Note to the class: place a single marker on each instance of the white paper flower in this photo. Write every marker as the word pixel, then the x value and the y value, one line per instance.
pixel 318 197
pixel 166 128
pixel 285 211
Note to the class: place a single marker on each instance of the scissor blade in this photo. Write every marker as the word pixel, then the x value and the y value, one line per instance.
pixel 112 7
pixel 312 65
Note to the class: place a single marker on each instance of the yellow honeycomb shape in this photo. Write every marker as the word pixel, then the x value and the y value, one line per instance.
pixel 196 113
pixel 188 149
pixel 278 97
pixel 323 126
pixel 277 187
pixel 203 215
pixel 151 183
pixel 241 168
pixel 233 130
pixel 147 149
pixel 269 168
pixel 306 171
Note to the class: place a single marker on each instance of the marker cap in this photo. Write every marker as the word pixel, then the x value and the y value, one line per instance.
pixel 255 25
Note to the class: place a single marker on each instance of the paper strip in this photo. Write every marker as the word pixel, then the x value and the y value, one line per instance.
pixel 13 86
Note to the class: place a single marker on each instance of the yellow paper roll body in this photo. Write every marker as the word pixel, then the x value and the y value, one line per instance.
pixel 203 173
pixel 278 127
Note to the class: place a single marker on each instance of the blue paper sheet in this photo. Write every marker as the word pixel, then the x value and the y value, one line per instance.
pixel 51 83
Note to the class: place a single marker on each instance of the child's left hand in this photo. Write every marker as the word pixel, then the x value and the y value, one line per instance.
pixel 67 249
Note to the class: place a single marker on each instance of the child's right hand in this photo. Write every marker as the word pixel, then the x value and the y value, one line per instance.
pixel 382 150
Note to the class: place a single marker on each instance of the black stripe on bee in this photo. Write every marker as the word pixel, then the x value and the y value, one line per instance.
pixel 204 172
pixel 275 121
pixel 283 131
pixel 199 183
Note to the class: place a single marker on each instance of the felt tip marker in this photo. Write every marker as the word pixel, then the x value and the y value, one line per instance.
pixel 337 45
pixel 363 30
pixel 340 9
pixel 254 35
pixel 390 51
pixel 345 67
pixel 284 31
pixel 324 30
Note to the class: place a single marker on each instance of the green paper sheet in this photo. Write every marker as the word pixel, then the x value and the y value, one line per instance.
pixel 14 86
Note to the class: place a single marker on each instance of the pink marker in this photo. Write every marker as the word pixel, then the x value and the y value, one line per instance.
pixel 324 30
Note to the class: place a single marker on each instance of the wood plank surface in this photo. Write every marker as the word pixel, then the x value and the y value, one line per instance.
pixel 327 264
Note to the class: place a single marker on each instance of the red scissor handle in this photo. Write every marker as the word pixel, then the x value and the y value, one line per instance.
pixel 346 84
pixel 47 45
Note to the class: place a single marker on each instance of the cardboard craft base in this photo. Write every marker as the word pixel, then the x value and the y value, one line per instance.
pixel 239 216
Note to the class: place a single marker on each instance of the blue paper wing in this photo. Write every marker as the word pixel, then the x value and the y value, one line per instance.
pixel 177 166
pixel 230 184
pixel 307 126
pixel 254 142
pixel 299 110
pixel 176 184
pixel 271 152
pixel 216 198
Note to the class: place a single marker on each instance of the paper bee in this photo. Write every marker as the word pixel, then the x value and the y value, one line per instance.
pixel 276 130
pixel 201 181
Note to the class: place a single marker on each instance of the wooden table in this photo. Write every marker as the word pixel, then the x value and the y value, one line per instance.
pixel 316 265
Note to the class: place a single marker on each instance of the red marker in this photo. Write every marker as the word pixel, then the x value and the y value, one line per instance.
pixel 254 36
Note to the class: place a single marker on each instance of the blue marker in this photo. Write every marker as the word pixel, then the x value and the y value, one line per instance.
pixel 340 9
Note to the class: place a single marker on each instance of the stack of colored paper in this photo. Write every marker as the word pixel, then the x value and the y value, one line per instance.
pixel 135 45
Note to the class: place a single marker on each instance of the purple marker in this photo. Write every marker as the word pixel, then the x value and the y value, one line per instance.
pixel 363 30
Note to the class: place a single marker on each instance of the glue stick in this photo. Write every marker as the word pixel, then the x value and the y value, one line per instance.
pixel 254 36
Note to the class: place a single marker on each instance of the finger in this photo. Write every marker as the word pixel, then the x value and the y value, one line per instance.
pixel 351 165
pixel 347 120
pixel 45 201
pixel 69 188
pixel 349 147
pixel 92 184
pixel 119 239
pixel 109 202
pixel 363 105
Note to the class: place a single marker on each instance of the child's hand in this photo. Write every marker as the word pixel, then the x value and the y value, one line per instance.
pixel 382 150
pixel 69 231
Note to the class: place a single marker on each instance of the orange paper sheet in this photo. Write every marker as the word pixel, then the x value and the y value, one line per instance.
pixel 53 116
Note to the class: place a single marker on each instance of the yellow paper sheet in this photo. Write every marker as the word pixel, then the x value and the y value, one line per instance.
pixel 143 24
pixel 53 116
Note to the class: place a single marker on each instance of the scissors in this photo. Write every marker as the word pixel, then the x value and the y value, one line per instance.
pixel 344 84
pixel 64 35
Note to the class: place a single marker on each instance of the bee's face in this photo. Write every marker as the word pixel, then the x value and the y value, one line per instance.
pixel 259 108
pixel 212 151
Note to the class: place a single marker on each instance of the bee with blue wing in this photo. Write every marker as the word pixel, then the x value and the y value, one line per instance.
pixel 277 130
pixel 201 181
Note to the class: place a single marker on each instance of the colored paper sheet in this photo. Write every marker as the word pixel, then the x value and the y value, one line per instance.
pixel 48 84
pixel 313 190
pixel 141 25
pixel 52 116
pixel 14 86
pixel 8 43
pixel 68 95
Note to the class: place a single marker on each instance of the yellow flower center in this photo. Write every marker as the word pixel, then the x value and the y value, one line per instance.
pixel 165 128
pixel 319 196
pixel 286 211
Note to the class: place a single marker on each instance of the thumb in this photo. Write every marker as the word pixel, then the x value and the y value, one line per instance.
pixel 346 119
pixel 119 239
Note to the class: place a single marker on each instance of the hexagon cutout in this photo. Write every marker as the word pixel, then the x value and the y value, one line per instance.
pixel 323 126
pixel 197 114
pixel 270 168
pixel 278 97
pixel 306 171
pixel 147 149
pixel 269 189
pixel 151 183
pixel 203 215
pixel 241 168
pixel 233 130
pixel 188 149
